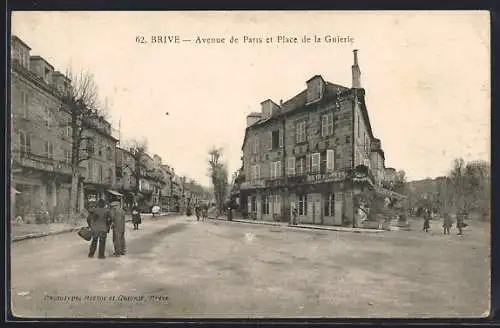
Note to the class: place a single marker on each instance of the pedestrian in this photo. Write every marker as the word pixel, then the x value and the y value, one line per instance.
pixel 118 226
pixel 100 222
pixel 205 212
pixel 197 211
pixel 447 224
pixel 155 210
pixel 460 224
pixel 427 218
pixel 136 216
pixel 294 216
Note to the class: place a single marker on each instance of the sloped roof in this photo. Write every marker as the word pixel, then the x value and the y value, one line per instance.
pixel 297 102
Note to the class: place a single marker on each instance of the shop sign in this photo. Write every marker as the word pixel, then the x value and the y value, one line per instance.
pixel 327 177
pixel 253 184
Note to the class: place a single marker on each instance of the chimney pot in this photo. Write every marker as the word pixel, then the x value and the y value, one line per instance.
pixel 355 51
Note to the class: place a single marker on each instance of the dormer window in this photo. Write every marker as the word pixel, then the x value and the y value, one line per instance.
pixel 315 87
pixel 46 74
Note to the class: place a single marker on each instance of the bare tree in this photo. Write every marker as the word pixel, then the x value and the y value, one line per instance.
pixel 80 101
pixel 138 150
pixel 219 175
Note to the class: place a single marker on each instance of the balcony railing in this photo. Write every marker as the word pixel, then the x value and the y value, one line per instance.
pixel 44 163
pixel 309 177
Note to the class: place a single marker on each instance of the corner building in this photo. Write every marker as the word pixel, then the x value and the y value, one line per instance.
pixel 314 153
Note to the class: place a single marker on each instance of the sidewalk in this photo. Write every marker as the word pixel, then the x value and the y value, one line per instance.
pixel 302 226
pixel 29 231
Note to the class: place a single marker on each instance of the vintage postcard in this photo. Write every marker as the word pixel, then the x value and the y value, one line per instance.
pixel 250 164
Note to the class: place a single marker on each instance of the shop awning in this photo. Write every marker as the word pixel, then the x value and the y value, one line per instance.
pixel 116 193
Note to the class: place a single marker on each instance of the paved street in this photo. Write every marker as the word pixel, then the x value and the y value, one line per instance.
pixel 226 269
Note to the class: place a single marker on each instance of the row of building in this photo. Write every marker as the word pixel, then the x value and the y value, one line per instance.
pixel 41 141
pixel 313 154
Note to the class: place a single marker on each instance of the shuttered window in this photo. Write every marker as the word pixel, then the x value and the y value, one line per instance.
pixel 301 131
pixel 49 149
pixel 327 125
pixel 330 159
pixel 308 163
pixel 315 162
pixel 24 144
pixel 291 166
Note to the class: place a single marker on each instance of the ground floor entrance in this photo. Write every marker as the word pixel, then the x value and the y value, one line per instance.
pixel 324 204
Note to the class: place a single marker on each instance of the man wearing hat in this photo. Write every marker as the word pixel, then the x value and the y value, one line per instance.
pixel 118 226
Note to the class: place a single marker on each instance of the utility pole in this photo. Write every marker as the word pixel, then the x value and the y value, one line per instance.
pixel 284 202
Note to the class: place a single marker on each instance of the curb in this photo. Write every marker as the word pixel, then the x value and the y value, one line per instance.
pixel 52 233
pixel 44 234
pixel 358 230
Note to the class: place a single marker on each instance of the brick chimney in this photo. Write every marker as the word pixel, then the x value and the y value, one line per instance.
pixel 356 72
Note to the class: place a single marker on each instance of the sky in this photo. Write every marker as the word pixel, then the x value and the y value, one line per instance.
pixel 426 76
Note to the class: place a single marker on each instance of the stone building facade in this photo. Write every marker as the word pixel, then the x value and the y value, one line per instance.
pixel 312 153
pixel 100 168
pixel 41 164
pixel 42 139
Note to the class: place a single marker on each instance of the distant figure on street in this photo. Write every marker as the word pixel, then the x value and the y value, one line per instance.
pixel 156 210
pixel 447 223
pixel 294 216
pixel 118 226
pixel 427 218
pixel 460 224
pixel 197 210
pixel 100 222
pixel 136 216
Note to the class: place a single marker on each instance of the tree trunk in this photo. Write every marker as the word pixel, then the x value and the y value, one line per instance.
pixel 74 196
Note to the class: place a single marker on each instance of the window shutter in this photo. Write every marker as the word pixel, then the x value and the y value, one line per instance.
pixel 330 159
pixel 258 171
pixel 273 170
pixel 315 160
pixel 270 140
pixel 330 123
pixel 291 166
pixel 281 138
pixel 308 163
pixel 28 143
pixel 278 169
pixel 324 125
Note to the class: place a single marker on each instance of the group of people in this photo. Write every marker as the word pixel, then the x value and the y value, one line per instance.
pixel 447 222
pixel 201 211
pixel 102 219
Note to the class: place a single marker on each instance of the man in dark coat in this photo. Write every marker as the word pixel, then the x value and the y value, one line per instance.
pixel 99 222
pixel 118 226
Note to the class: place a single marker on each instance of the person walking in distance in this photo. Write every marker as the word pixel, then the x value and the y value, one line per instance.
pixel 99 222
pixel 136 216
pixel 203 211
pixel 447 224
pixel 197 210
pixel 427 218
pixel 118 226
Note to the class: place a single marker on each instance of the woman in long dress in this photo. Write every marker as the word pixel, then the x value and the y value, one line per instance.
pixel 136 216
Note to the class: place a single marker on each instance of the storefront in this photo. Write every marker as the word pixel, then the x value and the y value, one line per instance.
pixel 325 199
